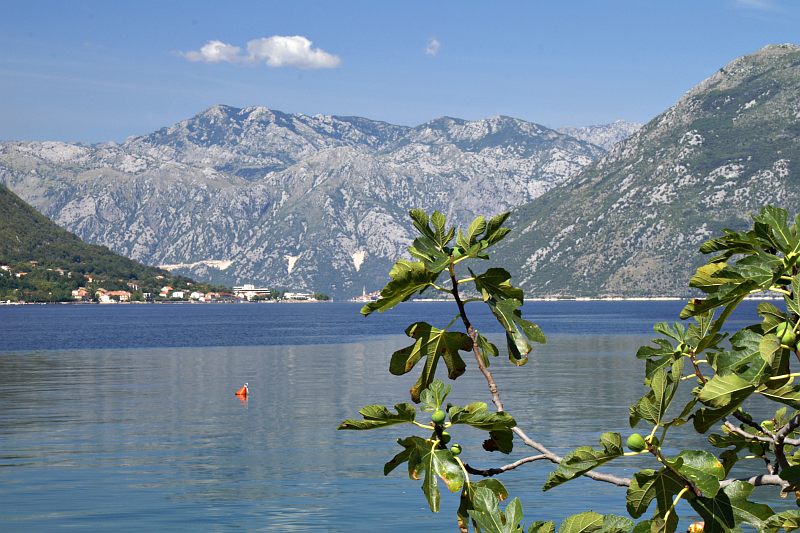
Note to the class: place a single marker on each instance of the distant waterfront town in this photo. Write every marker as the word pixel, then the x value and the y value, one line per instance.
pixel 33 283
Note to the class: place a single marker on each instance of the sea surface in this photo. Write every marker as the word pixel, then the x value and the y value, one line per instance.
pixel 123 417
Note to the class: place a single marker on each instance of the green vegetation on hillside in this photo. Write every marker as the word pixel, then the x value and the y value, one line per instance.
pixel 630 223
pixel 43 262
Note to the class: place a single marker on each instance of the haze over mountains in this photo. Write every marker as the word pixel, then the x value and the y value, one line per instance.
pixel 320 202
pixel 256 195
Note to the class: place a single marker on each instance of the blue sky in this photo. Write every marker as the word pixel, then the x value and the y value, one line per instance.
pixel 96 71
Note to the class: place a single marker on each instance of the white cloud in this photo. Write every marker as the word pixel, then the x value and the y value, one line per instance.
pixel 275 51
pixel 433 46
pixel 295 51
pixel 215 52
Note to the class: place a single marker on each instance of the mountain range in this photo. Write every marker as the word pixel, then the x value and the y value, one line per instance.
pixel 294 201
pixel 320 202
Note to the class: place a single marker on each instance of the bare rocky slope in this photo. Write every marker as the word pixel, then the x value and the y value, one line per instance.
pixel 603 135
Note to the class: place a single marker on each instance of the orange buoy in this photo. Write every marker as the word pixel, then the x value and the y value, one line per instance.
pixel 243 391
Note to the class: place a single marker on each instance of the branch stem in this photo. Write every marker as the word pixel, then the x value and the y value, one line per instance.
pixel 464 468
pixel 779 290
pixel 489 472
pixel 696 365
pixel 440 288
pixel 742 433
pixel 675 502
pixel 758 481
pixel 498 402
pixel 784 376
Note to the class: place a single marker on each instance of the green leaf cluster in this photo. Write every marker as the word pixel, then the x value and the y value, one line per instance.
pixel 490 518
pixel 498 424
pixel 505 300
pixel 725 371
pixel 436 255
pixel 431 344
pixel 428 462
pixel 428 459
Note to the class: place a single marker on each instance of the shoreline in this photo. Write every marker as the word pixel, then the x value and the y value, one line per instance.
pixel 181 302
pixel 418 300
pixel 609 299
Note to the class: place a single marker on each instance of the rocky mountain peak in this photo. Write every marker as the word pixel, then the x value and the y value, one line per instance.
pixel 497 133
pixel 742 69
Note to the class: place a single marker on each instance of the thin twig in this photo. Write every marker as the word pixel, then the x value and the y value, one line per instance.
pixel 758 481
pixel 768 465
pixel 697 371
pixel 790 426
pixel 555 458
pixel 746 420
pixel 780 441
pixel 489 472
pixel 498 403
pixel 742 433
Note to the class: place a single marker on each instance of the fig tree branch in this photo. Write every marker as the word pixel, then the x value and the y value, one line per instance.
pixel 764 479
pixel 746 420
pixel 489 472
pixel 790 426
pixel 742 433
pixel 780 441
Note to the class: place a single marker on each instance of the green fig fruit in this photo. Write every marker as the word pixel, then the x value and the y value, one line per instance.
pixel 636 443
pixel 785 332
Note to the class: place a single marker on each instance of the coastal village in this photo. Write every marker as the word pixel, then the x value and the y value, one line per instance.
pixel 27 283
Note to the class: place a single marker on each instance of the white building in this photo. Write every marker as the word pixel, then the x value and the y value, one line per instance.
pixel 250 291
pixel 298 296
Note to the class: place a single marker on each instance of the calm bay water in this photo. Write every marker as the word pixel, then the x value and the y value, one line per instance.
pixel 123 417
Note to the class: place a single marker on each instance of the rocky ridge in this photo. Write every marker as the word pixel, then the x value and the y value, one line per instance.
pixel 603 135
